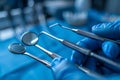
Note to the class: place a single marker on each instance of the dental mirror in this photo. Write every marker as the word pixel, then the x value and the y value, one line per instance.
pixel 17 48
pixel 31 39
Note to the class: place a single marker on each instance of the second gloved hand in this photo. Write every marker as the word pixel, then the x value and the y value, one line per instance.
pixel 63 69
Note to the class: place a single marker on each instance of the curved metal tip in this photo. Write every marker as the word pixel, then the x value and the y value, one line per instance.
pixel 55 25
pixel 42 32
pixel 62 27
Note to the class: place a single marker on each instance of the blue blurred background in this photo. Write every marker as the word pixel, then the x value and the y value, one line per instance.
pixel 19 16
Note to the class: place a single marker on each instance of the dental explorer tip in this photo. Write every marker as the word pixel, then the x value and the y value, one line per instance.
pixel 62 27
pixel 54 25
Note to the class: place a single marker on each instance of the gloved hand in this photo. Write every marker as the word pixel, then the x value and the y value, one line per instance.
pixel 107 49
pixel 63 69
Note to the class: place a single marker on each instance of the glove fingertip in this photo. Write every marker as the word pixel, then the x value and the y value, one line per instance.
pixel 88 43
pixel 110 30
pixel 100 29
pixel 110 49
pixel 56 61
pixel 78 58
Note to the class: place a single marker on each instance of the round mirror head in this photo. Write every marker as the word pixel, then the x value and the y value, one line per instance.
pixel 29 38
pixel 16 48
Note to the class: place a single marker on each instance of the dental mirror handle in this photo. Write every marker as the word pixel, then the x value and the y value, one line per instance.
pixel 51 54
pixel 38 59
pixel 89 53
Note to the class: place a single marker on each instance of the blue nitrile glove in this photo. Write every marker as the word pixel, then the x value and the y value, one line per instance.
pixel 80 59
pixel 107 49
pixel 112 31
pixel 63 69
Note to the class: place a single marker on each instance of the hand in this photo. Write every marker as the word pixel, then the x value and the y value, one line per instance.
pixel 63 69
pixel 107 49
